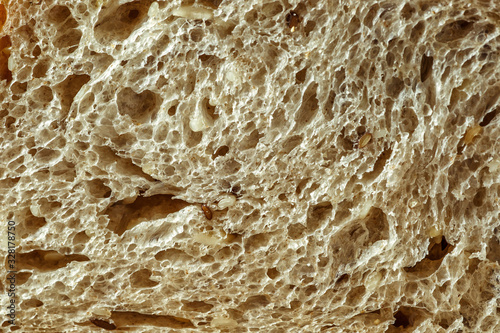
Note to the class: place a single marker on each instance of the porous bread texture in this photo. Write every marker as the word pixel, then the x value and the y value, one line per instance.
pixel 122 117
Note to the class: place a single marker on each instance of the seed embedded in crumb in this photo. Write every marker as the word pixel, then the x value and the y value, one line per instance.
pixel 472 133
pixel 227 201
pixel 293 20
pixel 206 211
pixel 434 232
pixel 365 139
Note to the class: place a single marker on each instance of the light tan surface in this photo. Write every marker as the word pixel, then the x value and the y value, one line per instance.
pixel 349 160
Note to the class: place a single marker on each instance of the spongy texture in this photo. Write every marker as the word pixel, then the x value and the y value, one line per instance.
pixel 346 153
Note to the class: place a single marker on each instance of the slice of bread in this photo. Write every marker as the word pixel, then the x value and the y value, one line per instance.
pixel 251 166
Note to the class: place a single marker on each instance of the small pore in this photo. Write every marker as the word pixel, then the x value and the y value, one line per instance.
pixel 236 190
pixel 221 151
pixel 394 86
pixel 342 280
pixel 478 200
pixel 426 67
pixel 273 273
pixel 407 11
pixel 171 110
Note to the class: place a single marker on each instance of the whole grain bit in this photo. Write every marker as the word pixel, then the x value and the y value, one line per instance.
pixel 471 134
pixel 365 139
pixel 206 211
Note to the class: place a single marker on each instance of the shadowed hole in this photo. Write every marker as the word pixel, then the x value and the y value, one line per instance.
pixel 124 216
pixel 493 252
pixel 58 14
pixel 141 279
pixel 251 140
pixel 22 277
pixel 308 107
pixel 290 143
pixel 379 165
pixel 478 200
pixel 196 306
pixel 401 320
pixel 296 230
pixel 33 223
pixel 46 260
pixel 103 324
pixel 141 107
pixel 68 89
pixel 174 256
pixel 454 31
pixel 318 215
pixel 32 303
pixel 133 14
pixel 425 67
pixel 301 75
pixel 256 241
pixel 254 302
pixel 97 189
pixel 5 73
pixel 172 110
pixel 417 31
pixel 40 69
pixel 407 11
pixel 273 273
pixel 221 151
pixel 394 86
pixel 135 319
pixel 489 117
pixel 117 24
pixel 80 238
pixel 432 261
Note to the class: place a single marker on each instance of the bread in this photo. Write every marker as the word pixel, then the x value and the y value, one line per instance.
pixel 252 166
